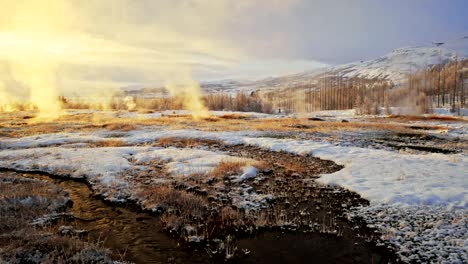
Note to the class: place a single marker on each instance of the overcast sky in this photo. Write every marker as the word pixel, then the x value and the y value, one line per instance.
pixel 340 31
pixel 125 42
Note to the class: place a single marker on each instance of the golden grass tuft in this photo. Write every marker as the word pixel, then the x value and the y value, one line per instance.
pixel 184 142
pixel 211 119
pixel 168 198
pixel 428 118
pixel 120 126
pixel 109 143
pixel 234 167
pixel 234 116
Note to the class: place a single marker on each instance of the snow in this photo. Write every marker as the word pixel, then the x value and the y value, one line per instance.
pixel 249 172
pixel 334 113
pixel 46 140
pixel 183 162
pixel 418 201
pixel 394 66
pixel 426 234
pixel 110 169
pixel 152 134
pixel 102 167
pixel 160 114
pixel 398 63
pixel 447 112
pixel 378 175
pixel 386 176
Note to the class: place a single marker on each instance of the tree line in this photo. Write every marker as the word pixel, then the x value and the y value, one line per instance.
pixel 442 85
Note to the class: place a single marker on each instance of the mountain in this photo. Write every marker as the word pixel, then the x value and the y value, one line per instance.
pixel 393 66
pixel 396 65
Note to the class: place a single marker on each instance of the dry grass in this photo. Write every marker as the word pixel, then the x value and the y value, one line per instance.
pixel 109 143
pixel 172 141
pixel 184 204
pixel 184 142
pixel 231 217
pixel 234 167
pixel 21 201
pixel 226 168
pixel 428 118
pixel 211 119
pixel 15 126
pixel 120 126
pixel 294 167
pixel 234 116
pixel 36 246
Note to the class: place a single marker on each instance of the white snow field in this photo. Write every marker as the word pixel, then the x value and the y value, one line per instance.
pixel 105 167
pixel 418 201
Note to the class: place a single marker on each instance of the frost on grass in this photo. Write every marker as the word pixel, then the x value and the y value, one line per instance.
pixel 386 176
pixel 418 201
pixel 113 171
pixel 424 234
pixel 401 181
pixel 184 162
pixel 24 203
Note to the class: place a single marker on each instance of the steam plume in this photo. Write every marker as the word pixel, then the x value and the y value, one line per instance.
pixel 58 47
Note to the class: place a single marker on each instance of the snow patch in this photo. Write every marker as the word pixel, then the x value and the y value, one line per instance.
pixel 183 162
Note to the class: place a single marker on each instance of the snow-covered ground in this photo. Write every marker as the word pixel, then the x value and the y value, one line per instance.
pixel 110 170
pixel 378 175
pixel 184 162
pixel 419 201
pixel 447 112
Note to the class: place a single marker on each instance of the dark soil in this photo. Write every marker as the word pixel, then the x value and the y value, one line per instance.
pixel 313 214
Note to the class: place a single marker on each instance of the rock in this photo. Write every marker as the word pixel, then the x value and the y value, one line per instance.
pixel 315 119
pixel 180 186
pixel 296 175
pixel 202 192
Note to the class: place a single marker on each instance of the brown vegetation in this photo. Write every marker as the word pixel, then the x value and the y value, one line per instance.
pixel 88 122
pixel 226 168
pixel 428 118
pixel 109 143
pixel 23 201
pixel 178 207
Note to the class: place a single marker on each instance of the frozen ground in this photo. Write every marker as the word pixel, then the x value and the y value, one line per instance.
pixel 418 201
pixel 414 179
pixel 110 169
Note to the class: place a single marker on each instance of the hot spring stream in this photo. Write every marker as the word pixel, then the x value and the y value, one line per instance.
pixel 138 235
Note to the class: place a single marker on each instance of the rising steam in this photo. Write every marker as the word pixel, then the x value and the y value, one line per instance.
pixel 89 49
pixel 191 96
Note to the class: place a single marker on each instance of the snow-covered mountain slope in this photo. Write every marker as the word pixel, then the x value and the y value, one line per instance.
pixel 397 64
pixel 393 66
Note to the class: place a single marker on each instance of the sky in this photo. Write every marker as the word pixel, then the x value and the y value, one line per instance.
pixel 91 45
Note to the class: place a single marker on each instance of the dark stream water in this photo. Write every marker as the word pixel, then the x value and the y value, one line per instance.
pixel 137 235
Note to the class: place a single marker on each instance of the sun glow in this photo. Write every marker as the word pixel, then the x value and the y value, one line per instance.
pixel 54 47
